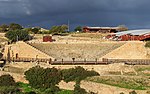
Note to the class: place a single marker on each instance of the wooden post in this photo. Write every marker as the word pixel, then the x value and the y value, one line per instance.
pixel 62 61
pixel 50 61
pixel 73 59
pixel 96 61
pixel 8 56
pixel 85 61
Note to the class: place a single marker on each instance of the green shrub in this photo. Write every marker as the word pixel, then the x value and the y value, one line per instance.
pixel 7 80
pixel 15 35
pixel 8 85
pixel 52 90
pixel 65 92
pixel 52 77
pixel 15 26
pixel 147 44
pixel 46 79
pixel 41 78
pixel 25 87
pixel 9 90
pixel 34 76
pixel 77 74
pixel 79 90
pixel 31 92
pixel 132 92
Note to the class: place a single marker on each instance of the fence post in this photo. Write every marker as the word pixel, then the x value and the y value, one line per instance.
pixel 50 61
pixel 62 61
pixel 73 59
pixel 84 60
pixel 96 61
pixel 8 56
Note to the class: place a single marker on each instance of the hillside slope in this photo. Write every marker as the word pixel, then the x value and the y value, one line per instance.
pixel 130 50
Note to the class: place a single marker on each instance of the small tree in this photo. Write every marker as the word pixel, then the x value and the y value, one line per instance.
pixel 58 29
pixel 14 26
pixel 3 28
pixel 52 77
pixel 77 74
pixel 78 28
pixel 15 35
pixel 35 30
pixel 44 78
pixel 7 80
pixel 34 76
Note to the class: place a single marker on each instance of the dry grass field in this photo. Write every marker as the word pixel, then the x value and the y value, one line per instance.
pixel 130 82
pixel 73 37
pixel 90 35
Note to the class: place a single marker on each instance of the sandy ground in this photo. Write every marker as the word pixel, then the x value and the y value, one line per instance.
pixel 130 50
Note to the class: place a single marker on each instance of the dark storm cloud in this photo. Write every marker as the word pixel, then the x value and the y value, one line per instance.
pixel 133 13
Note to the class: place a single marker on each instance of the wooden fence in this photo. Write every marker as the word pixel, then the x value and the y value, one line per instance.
pixel 104 61
pixel 79 63
pixel 48 60
pixel 25 59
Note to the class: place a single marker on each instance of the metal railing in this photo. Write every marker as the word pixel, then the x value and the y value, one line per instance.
pixel 129 61
pixel 79 63
pixel 105 61
pixel 26 59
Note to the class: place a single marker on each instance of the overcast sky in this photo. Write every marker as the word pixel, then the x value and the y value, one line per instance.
pixel 45 13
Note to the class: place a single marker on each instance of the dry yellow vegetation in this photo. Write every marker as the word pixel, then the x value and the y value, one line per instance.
pixel 90 35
